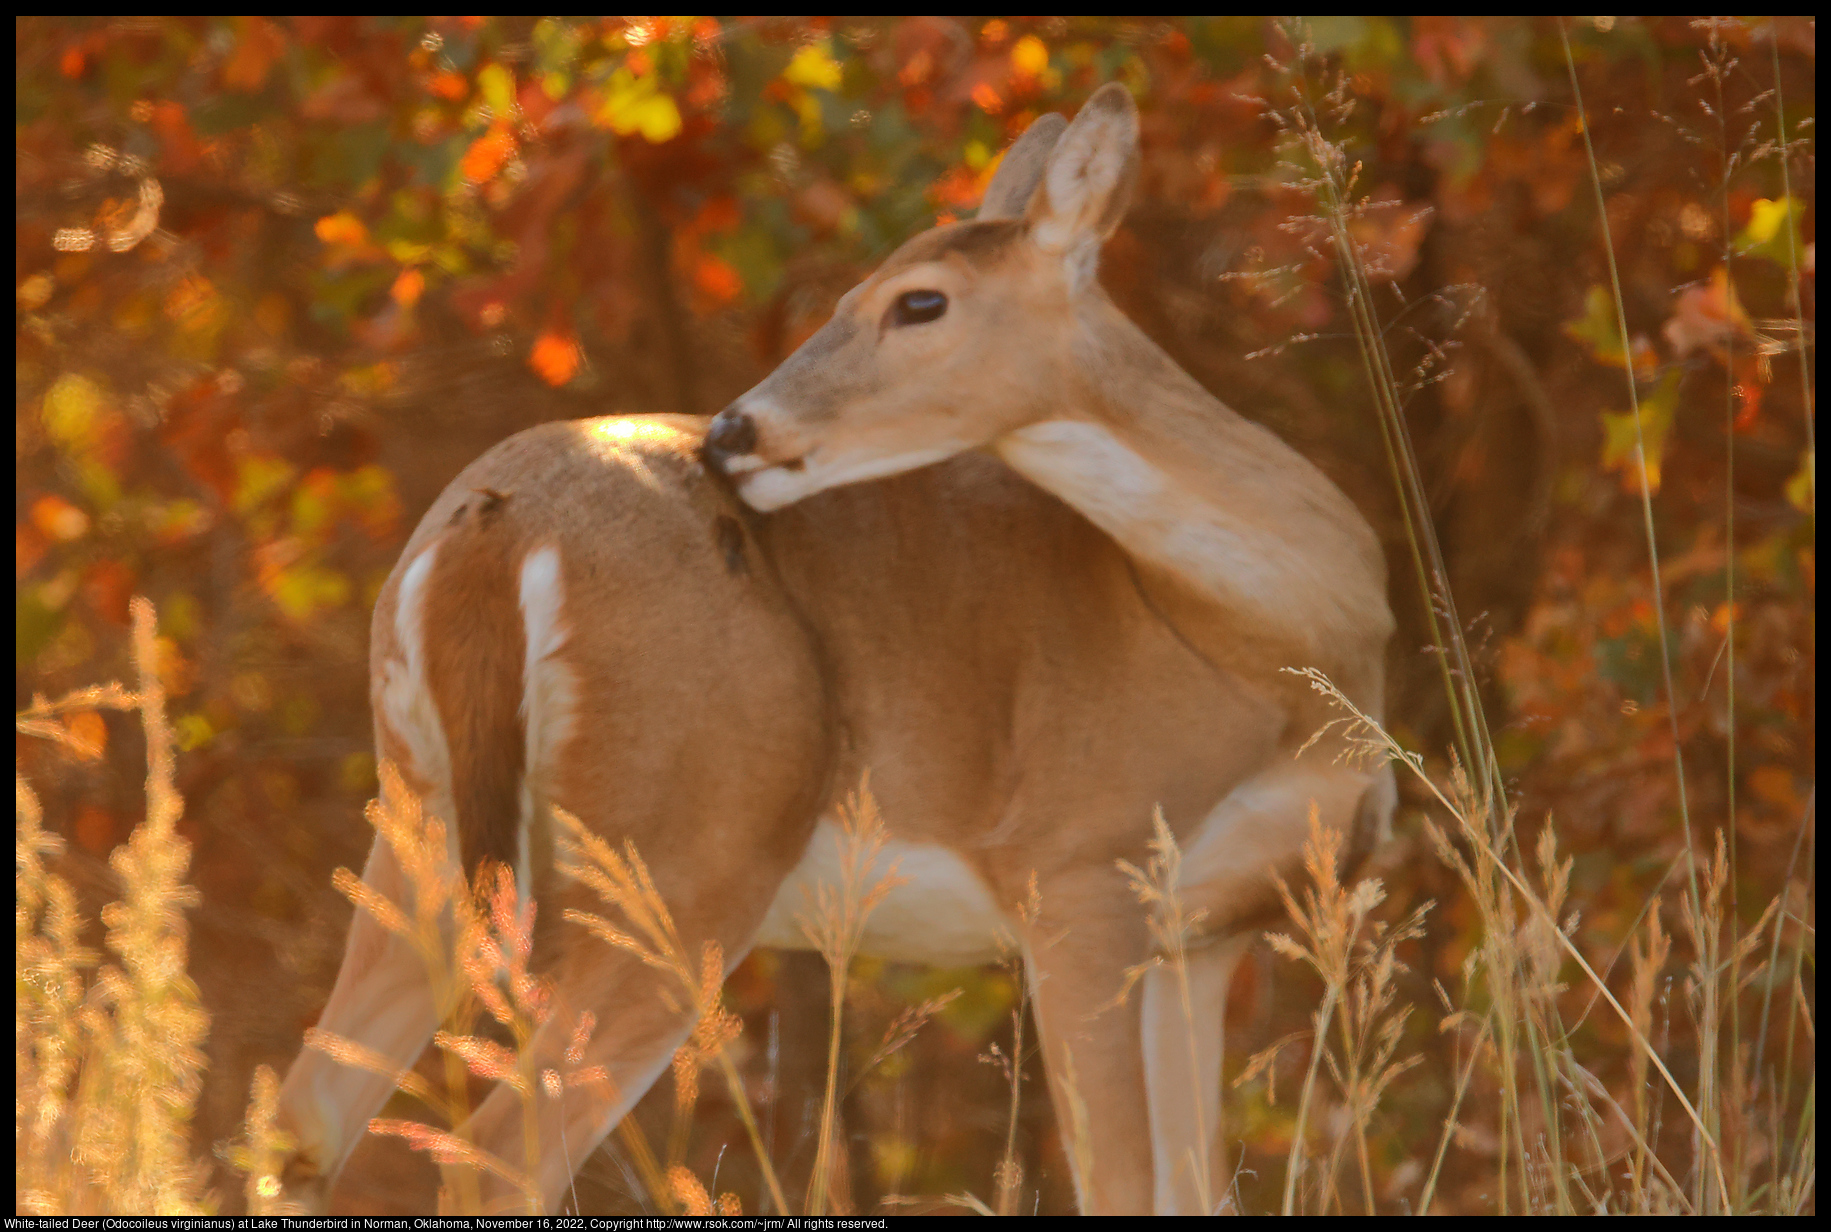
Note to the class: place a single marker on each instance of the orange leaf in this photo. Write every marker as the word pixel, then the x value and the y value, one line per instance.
pixel 28 549
pixel 408 288
pixel 58 518
pixel 90 730
pixel 555 358
pixel 343 228
pixel 449 86
pixel 716 279
pixel 1775 785
pixel 487 154
pixel 987 98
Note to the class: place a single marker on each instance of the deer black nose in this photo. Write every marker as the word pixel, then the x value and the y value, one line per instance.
pixel 731 435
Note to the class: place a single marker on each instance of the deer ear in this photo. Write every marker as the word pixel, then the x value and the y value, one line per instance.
pixel 1087 183
pixel 1021 169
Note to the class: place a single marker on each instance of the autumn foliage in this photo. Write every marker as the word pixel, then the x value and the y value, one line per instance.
pixel 278 279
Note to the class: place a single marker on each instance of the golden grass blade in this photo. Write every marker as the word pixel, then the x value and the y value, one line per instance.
pixel 358 1056
pixel 834 922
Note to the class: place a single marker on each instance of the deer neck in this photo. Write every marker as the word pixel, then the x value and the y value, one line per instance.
pixel 1236 518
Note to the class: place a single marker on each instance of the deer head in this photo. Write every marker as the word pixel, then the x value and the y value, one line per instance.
pixel 968 332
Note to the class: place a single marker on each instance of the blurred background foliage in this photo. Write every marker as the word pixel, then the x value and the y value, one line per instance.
pixel 277 280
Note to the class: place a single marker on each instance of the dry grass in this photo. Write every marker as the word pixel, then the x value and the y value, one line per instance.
pixel 109 1064
pixel 1556 1116
pixel 834 923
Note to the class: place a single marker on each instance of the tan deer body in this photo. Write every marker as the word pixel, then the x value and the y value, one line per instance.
pixel 1029 652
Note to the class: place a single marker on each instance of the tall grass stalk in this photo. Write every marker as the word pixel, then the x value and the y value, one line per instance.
pixel 1640 459
pixel 1479 770
pixel 1719 63
pixel 1355 957
pixel 834 923
pixel 1793 266
pixel 1008 1178
pixel 1516 959
pixel 109 1069
pixel 1334 181
pixel 263 1148
pixel 1804 1142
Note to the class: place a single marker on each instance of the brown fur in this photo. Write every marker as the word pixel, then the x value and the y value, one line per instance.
pixel 474 664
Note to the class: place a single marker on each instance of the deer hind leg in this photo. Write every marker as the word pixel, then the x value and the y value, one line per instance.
pixel 383 999
pixel 1182 1062
pixel 384 1002
pixel 1261 826
pixel 637 1029
pixel 743 831
pixel 1259 829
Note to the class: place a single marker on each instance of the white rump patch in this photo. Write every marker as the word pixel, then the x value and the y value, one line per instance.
pixel 549 695
pixel 406 701
pixel 943 915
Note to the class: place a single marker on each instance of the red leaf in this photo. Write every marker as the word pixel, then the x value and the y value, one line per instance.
pixel 555 358
pixel 716 279
pixel 254 55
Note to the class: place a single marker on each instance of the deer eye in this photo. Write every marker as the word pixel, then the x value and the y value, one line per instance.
pixel 917 307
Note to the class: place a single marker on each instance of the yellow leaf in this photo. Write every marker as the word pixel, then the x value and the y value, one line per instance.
pixel 498 86
pixel 1772 231
pixel 814 67
pixel 1765 217
pixel 1029 57
pixel 637 105
pixel 1598 329
pixel 1801 487
pixel 71 408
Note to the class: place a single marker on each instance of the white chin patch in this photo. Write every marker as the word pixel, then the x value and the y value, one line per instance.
pixel 771 489
pixel 743 464
pixel 777 486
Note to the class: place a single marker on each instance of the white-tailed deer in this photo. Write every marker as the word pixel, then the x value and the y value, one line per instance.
pixel 1064 604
